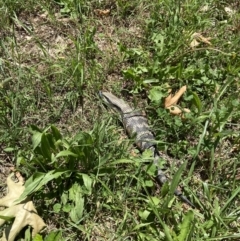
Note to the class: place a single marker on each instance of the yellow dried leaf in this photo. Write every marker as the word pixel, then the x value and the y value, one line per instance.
pixel 15 189
pixel 194 43
pixel 24 213
pixel 172 100
pixel 198 38
pixel 174 110
pixel 101 12
pixel 229 11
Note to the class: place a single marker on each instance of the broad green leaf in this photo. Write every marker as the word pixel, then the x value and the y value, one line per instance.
pixel 84 137
pixel 79 206
pixel 36 139
pixel 51 141
pixel 151 169
pixel 186 226
pixel 156 95
pixel 77 211
pixel 144 214
pixel 65 153
pixel 158 39
pixel 34 184
pixel 64 197
pixel 147 154
pixel 148 183
pixel 53 158
pixel 45 147
pixel 57 207
pixel 34 177
pixel 154 200
pixel 64 143
pixel 54 236
pixel 20 160
pixel 235 102
pixel 54 174
pixel 74 190
pixel 30 186
pixel 87 182
pixel 67 208
pixel 38 237
pixel 57 135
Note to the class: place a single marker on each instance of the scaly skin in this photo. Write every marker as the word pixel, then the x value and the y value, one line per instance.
pixel 136 125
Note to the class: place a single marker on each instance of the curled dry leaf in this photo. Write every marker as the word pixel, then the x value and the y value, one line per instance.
pixel 204 8
pixel 173 99
pixel 171 102
pixel 194 43
pixel 230 12
pixel 197 38
pixel 24 213
pixel 101 12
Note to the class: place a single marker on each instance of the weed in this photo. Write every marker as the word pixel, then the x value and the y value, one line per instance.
pixel 83 173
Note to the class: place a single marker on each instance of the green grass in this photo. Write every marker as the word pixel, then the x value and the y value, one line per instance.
pixel 86 178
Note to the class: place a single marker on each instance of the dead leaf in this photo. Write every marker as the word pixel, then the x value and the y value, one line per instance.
pixel 172 100
pixel 205 8
pixel 101 12
pixel 230 12
pixel 198 38
pixel 194 43
pixel 15 189
pixel 24 213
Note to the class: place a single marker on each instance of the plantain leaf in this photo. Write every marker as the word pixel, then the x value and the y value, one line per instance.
pixel 36 139
pixel 186 226
pixel 37 181
pixel 87 182
pixel 66 153
pixel 45 147
pixel 57 135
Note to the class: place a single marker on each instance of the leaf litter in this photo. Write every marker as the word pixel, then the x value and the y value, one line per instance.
pixel 172 100
pixel 24 213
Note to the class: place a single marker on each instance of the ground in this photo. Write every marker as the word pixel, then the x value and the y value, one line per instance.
pixel 55 56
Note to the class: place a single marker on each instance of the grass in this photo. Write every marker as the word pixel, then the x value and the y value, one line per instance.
pixel 88 180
